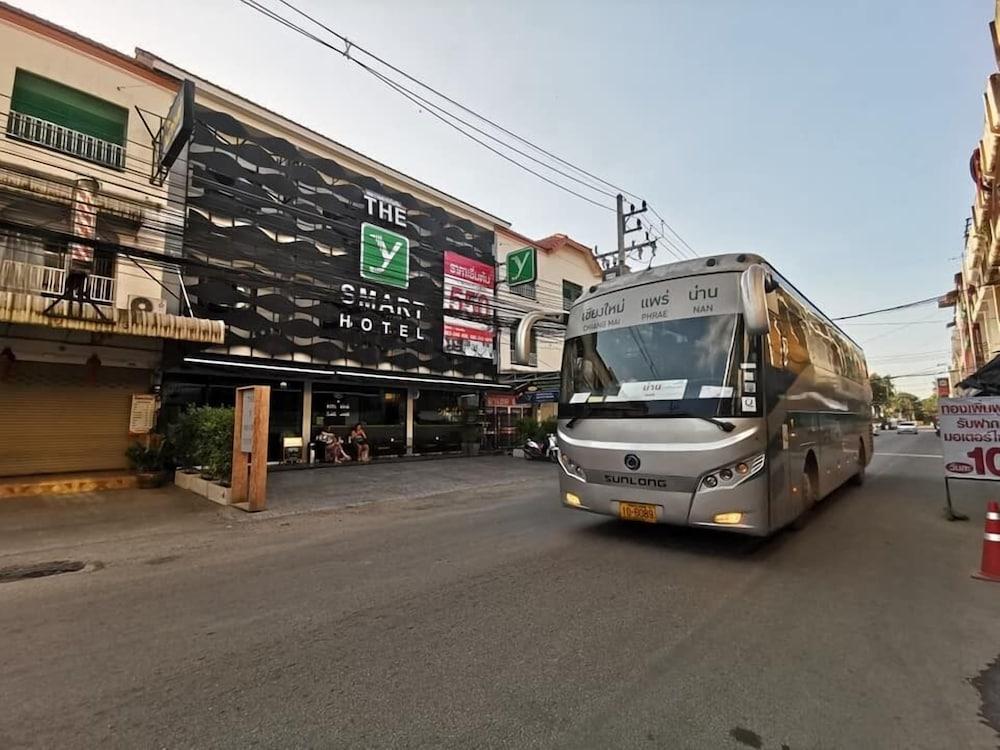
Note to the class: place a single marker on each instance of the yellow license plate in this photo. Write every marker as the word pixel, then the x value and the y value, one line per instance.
pixel 637 512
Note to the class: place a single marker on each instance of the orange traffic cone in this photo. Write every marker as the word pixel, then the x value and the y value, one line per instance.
pixel 990 569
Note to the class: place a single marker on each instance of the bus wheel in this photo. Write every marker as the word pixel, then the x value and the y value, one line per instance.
pixel 807 496
pixel 859 477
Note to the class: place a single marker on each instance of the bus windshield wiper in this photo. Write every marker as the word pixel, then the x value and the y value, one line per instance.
pixel 720 423
pixel 572 421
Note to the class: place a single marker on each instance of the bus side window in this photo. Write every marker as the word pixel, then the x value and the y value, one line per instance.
pixel 800 353
pixel 777 337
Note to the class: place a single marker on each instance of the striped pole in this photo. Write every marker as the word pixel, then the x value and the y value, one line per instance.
pixel 990 568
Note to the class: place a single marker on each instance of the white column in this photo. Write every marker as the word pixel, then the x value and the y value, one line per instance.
pixel 307 406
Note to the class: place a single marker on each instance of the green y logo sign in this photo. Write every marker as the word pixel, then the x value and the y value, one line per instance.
pixel 385 256
pixel 521 266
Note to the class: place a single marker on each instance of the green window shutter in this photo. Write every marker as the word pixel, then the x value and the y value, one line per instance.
pixel 50 101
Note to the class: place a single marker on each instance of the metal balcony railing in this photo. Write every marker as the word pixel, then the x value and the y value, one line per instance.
pixel 32 278
pixel 44 133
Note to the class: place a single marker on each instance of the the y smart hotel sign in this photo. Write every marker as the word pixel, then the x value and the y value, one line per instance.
pixel 385 254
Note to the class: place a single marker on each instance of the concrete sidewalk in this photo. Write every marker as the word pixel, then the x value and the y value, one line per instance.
pixel 308 490
pixel 33 525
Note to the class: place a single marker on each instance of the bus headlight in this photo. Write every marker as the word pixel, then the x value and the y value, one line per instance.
pixel 571 467
pixel 732 475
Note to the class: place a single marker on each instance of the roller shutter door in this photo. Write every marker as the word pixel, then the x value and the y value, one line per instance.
pixel 54 419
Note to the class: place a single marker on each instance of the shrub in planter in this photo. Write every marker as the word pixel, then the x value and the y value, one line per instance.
pixel 203 436
pixel 183 438
pixel 214 442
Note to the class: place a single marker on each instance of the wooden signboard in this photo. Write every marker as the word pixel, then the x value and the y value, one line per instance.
pixel 249 483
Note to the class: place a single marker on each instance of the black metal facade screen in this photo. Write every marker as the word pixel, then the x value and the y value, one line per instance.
pixel 278 230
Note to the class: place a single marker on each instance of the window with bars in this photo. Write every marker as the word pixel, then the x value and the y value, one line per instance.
pixel 52 115
pixel 524 290
pixel 570 292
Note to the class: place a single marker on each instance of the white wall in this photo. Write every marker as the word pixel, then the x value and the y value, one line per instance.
pixel 567 264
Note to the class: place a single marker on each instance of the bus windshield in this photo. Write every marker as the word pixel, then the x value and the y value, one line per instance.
pixel 685 358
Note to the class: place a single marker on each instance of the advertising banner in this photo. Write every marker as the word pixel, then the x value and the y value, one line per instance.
pixel 468 293
pixel 468 338
pixel 468 286
pixel 970 437
pixel 943 388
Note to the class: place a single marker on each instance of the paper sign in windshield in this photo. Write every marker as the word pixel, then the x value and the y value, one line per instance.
pixel 716 391
pixel 652 390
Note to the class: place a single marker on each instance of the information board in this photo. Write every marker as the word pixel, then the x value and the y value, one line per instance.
pixel 142 416
pixel 246 423
pixel 970 437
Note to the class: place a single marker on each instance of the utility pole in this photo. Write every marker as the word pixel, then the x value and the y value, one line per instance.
pixel 620 221
pixel 616 261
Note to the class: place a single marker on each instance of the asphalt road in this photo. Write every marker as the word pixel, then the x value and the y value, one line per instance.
pixel 499 619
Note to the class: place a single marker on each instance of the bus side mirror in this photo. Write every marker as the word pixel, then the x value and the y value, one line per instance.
pixel 753 297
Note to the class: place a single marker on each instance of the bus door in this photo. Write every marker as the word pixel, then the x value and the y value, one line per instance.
pixel 787 363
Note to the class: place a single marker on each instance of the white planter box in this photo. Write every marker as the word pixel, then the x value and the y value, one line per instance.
pixel 210 490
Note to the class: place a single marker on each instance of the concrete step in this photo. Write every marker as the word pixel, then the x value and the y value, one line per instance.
pixel 63 484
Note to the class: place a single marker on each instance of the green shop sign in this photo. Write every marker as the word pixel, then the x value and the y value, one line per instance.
pixel 385 256
pixel 521 267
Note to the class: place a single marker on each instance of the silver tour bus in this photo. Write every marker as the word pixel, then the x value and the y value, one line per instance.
pixel 708 393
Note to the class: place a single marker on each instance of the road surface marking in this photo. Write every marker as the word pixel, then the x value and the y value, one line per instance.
pixel 910 455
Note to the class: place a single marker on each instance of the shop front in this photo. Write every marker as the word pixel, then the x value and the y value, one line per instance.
pixel 336 408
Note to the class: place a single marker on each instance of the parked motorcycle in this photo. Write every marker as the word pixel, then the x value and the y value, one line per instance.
pixel 536 451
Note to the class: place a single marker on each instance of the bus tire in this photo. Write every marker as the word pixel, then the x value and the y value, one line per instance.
pixel 807 493
pixel 859 477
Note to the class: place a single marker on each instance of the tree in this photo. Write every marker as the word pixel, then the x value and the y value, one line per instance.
pixel 883 393
pixel 907 406
pixel 930 407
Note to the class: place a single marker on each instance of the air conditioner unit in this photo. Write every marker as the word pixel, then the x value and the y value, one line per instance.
pixel 141 303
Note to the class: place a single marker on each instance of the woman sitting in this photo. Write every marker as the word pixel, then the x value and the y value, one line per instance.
pixel 334 446
pixel 359 438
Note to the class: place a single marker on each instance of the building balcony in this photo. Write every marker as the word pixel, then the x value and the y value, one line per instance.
pixel 64 140
pixel 34 278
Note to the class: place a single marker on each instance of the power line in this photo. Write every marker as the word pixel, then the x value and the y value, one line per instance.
pixel 350 46
pixel 485 145
pixel 890 309
pixel 353 46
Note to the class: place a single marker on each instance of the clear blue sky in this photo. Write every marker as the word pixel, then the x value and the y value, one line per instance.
pixel 832 137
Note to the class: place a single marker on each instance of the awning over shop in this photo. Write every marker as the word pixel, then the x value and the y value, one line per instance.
pixel 302 370
pixel 29 309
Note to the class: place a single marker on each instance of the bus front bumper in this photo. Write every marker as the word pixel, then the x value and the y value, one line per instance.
pixel 741 509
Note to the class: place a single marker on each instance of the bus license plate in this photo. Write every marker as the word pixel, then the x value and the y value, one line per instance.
pixel 637 512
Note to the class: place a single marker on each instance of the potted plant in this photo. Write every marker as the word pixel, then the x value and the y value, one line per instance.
pixel 149 461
